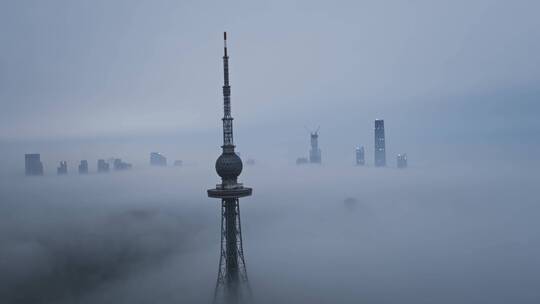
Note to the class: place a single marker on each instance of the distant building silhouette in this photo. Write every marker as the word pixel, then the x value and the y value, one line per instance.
pixel 360 156
pixel 250 162
pixel 350 203
pixel 32 164
pixel 380 145
pixel 158 159
pixel 119 165
pixel 103 166
pixel 110 161
pixel 402 160
pixel 83 167
pixel 178 163
pixel 301 161
pixel 62 168
pixel 315 152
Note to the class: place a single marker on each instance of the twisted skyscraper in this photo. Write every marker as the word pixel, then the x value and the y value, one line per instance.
pixel 232 282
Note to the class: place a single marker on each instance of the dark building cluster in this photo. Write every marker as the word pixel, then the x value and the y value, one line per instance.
pixel 360 151
pixel 34 166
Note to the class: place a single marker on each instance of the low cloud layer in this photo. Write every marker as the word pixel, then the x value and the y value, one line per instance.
pixel 324 234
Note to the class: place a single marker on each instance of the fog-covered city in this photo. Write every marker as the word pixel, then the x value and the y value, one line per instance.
pixel 456 83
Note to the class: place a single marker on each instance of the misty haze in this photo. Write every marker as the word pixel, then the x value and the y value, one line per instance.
pixel 392 148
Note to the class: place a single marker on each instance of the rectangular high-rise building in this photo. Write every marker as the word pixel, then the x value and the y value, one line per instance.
pixel 119 165
pixel 62 168
pixel 315 152
pixel 158 159
pixel 83 167
pixel 360 156
pixel 402 161
pixel 380 145
pixel 32 164
pixel 102 166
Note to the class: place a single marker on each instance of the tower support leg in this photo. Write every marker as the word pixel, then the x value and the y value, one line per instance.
pixel 232 284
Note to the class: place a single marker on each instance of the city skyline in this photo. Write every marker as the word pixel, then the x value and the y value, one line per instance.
pixel 421 186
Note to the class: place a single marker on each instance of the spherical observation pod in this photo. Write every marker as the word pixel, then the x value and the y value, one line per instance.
pixel 229 166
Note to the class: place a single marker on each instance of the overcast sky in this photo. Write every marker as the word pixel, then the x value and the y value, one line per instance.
pixel 100 68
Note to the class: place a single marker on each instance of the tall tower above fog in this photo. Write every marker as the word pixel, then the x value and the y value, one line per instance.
pixel 380 145
pixel 315 151
pixel 232 284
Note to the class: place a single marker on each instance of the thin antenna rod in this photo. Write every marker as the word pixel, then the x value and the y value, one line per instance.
pixel 225 43
pixel 227 118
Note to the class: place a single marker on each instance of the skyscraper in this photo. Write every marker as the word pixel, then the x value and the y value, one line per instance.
pixel 380 145
pixel 158 159
pixel 32 164
pixel 62 168
pixel 83 167
pixel 314 152
pixel 402 161
pixel 120 165
pixel 360 156
pixel 232 282
pixel 103 166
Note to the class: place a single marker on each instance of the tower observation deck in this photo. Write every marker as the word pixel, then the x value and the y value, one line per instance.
pixel 232 283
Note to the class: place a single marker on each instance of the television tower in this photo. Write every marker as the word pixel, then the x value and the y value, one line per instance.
pixel 232 282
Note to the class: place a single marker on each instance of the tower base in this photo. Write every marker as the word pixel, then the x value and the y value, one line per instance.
pixel 232 285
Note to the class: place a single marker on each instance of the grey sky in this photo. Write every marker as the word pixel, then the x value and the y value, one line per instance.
pixel 94 68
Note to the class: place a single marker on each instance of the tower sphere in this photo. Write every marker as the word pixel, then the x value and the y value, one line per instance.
pixel 229 165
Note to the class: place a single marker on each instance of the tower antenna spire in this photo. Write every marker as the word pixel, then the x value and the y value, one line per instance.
pixel 225 43
pixel 228 143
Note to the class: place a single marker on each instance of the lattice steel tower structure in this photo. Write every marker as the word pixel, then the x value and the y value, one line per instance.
pixel 232 283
